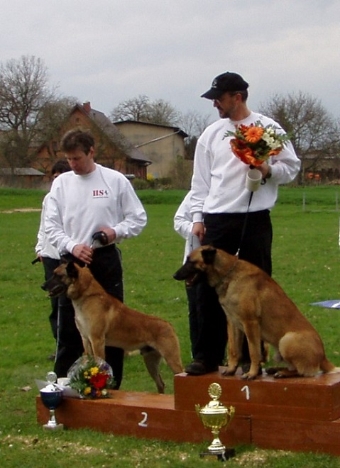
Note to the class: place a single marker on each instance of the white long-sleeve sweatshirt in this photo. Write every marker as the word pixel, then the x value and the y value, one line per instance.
pixel 80 205
pixel 218 182
pixel 43 246
pixel 183 226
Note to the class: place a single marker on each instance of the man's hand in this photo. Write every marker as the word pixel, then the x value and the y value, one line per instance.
pixel 111 233
pixel 198 230
pixel 264 169
pixel 83 252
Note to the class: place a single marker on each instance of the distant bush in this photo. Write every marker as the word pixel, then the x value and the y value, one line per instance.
pixel 140 184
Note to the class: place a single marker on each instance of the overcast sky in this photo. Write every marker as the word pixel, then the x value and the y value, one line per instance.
pixel 108 51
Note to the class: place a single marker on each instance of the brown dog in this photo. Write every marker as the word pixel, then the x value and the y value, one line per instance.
pixel 103 320
pixel 256 305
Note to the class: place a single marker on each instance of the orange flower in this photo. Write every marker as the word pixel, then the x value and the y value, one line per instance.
pixel 254 134
pixel 245 154
pixel 242 128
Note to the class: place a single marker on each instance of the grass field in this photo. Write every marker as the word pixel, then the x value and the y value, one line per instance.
pixel 306 263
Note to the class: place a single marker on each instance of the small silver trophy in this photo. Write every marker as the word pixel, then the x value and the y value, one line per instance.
pixel 51 396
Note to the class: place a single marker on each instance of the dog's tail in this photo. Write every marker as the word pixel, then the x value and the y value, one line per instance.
pixel 328 367
pixel 335 370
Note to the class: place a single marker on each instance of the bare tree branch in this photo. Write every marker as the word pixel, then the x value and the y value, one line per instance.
pixel 314 133
pixel 29 109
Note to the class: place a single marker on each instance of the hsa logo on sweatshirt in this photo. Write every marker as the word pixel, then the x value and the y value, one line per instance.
pixel 100 193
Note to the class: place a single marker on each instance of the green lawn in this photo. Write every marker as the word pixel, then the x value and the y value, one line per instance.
pixel 306 263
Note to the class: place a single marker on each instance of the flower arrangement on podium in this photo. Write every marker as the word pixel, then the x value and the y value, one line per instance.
pixel 91 377
pixel 253 144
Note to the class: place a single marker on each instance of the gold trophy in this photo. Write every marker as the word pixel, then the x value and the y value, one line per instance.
pixel 215 416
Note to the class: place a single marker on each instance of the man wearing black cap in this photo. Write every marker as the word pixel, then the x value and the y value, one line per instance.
pixel 220 208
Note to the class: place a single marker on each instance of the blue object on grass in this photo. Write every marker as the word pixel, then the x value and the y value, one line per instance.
pixel 333 304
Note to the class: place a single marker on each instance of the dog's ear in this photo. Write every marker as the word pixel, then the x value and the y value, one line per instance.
pixel 209 255
pixel 63 260
pixel 72 270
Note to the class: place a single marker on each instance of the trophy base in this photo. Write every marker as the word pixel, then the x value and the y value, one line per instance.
pixel 53 427
pixel 223 456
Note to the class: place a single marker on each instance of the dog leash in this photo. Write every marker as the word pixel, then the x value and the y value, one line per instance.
pixel 244 224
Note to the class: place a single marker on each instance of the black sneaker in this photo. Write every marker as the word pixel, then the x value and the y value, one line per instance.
pixel 200 368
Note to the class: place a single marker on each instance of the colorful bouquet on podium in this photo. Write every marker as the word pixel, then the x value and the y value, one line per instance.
pixel 91 377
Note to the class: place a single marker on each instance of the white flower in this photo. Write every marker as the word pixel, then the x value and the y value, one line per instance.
pixel 269 138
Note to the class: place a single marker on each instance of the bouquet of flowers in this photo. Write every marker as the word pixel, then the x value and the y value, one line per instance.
pixel 255 143
pixel 91 377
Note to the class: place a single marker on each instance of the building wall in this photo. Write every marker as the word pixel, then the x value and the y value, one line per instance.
pixel 162 153
pixel 23 181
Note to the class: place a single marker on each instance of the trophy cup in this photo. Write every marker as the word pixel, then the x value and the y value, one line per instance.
pixel 51 396
pixel 215 416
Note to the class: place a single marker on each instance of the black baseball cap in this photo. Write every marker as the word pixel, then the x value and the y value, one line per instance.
pixel 226 82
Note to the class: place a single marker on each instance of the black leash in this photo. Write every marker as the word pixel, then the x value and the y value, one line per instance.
pixel 244 225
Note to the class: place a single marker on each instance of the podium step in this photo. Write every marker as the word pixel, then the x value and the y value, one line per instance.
pixel 144 415
pixel 316 398
pixel 300 414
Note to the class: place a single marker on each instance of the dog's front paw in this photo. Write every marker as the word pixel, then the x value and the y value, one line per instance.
pixel 249 376
pixel 229 371
pixel 279 375
pixel 286 373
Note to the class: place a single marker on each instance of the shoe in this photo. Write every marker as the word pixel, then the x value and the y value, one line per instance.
pixel 200 368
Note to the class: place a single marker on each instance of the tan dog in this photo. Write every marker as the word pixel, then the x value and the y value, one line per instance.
pixel 103 320
pixel 256 305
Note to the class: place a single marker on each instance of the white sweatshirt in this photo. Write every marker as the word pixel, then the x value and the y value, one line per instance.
pixel 80 205
pixel 183 226
pixel 218 183
pixel 43 246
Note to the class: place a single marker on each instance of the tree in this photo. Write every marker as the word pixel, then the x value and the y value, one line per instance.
pixel 132 109
pixel 53 114
pixel 313 131
pixel 163 113
pixel 27 109
pixel 141 109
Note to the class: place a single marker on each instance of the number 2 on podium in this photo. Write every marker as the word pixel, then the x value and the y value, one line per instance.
pixel 143 422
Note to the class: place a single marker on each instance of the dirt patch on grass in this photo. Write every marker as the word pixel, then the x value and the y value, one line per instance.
pixel 21 210
pixel 24 442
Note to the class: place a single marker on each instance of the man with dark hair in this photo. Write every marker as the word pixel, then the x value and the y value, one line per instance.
pixel 77 140
pixel 47 254
pixel 221 211
pixel 90 199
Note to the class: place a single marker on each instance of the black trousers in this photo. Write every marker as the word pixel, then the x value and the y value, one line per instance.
pixel 106 267
pixel 224 231
pixel 50 264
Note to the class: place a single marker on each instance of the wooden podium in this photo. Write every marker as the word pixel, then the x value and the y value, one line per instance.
pixel 298 414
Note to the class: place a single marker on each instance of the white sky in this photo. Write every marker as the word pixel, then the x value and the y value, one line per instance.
pixel 107 51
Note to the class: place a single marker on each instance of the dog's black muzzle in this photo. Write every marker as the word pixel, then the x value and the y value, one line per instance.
pixel 54 287
pixel 189 274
